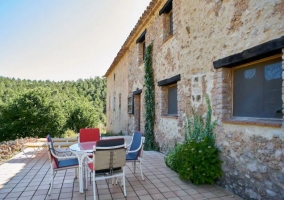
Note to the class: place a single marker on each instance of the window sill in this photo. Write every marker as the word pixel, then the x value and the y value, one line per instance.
pixel 168 38
pixel 257 122
pixel 170 116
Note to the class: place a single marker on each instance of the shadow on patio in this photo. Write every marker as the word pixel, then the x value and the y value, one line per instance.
pixel 28 178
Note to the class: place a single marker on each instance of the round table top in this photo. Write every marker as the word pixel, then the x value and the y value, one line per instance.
pixel 86 147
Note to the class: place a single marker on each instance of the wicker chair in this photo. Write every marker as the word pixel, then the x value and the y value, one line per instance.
pixel 108 161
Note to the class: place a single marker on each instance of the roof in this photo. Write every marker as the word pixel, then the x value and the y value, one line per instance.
pixel 133 34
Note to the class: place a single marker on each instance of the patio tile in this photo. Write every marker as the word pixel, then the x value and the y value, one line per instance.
pixel 157 196
pixel 208 194
pixel 169 194
pixel 146 197
pixel 198 196
pixel 27 193
pixel 65 195
pixel 180 193
pixel 160 183
pixel 141 192
pixel 186 198
pixel 14 194
pixel 132 198
pixel 105 197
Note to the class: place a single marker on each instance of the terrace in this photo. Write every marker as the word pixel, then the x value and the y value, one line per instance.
pixel 28 178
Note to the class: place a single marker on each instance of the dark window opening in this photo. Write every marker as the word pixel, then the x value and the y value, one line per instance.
pixel 172 100
pixel 258 90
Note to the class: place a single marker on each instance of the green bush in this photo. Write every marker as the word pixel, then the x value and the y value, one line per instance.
pixel 197 158
pixel 31 113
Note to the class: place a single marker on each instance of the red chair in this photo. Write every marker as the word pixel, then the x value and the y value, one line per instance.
pixel 89 135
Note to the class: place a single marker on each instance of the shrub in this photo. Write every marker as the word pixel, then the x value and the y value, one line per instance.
pixel 32 113
pixel 197 158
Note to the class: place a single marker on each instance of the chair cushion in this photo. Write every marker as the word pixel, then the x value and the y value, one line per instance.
pixel 55 160
pixel 110 142
pixel 89 134
pixel 131 156
pixel 68 163
pixel 115 170
pixel 136 142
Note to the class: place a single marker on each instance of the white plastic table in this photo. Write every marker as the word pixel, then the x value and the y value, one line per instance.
pixel 82 150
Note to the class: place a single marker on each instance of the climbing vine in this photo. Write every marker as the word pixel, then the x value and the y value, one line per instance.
pixel 150 143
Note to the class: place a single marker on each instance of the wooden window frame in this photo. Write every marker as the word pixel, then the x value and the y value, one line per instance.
pixel 233 88
pixel 130 104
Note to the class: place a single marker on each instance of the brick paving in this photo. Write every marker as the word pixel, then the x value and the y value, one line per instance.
pixel 28 179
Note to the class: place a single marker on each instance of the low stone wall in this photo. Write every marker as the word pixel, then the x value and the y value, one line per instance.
pixel 253 168
pixel 10 148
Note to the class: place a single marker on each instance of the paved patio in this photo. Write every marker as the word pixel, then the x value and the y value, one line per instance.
pixel 28 178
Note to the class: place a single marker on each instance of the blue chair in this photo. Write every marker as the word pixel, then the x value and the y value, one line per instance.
pixel 135 151
pixel 59 162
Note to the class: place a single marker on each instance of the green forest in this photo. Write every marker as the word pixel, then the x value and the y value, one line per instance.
pixel 30 108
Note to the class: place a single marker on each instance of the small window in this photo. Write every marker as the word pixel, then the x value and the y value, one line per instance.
pixel 167 15
pixel 141 47
pixel 257 89
pixel 171 28
pixel 113 103
pixel 130 104
pixel 172 100
pixel 119 102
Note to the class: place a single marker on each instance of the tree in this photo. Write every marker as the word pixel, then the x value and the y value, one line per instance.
pixel 31 113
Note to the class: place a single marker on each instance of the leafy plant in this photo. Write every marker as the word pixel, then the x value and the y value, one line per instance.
pixel 150 143
pixel 197 158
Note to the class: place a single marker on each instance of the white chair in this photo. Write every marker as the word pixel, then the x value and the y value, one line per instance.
pixel 59 162
pixel 135 152
pixel 109 159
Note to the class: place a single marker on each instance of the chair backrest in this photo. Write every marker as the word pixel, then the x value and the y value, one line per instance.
pixel 51 151
pixel 89 135
pixel 109 154
pixel 137 143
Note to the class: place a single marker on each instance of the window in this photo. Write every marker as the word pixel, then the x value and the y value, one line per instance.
pixel 113 103
pixel 169 104
pixel 141 47
pixel 257 89
pixel 167 15
pixel 119 102
pixel 130 104
pixel 172 100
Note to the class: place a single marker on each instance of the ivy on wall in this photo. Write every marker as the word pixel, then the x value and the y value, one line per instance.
pixel 150 143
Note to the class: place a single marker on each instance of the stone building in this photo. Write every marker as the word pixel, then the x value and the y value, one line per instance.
pixel 231 50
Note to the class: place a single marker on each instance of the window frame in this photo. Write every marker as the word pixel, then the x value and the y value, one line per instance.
pixel 168 103
pixel 233 88
pixel 130 104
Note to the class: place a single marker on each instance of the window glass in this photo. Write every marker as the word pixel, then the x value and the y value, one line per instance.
pixel 171 23
pixel 172 100
pixel 258 90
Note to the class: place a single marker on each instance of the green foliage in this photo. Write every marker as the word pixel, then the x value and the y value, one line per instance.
pixel 197 159
pixel 82 114
pixel 31 113
pixel 69 134
pixel 71 103
pixel 150 143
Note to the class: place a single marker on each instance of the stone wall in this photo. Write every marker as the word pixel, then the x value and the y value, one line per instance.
pixel 9 148
pixel 205 32
pixel 117 116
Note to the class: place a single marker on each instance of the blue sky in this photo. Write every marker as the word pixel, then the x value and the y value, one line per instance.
pixel 63 39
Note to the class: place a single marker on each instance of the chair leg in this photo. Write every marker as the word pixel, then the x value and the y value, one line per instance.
pixel 76 172
pixel 51 181
pixel 94 187
pixel 123 181
pixel 134 167
pixel 141 171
